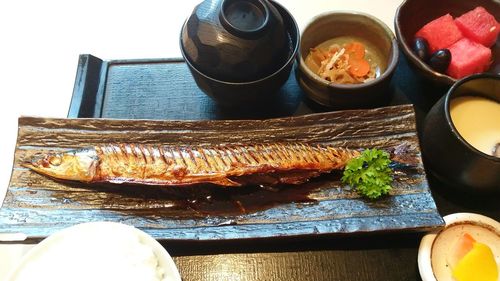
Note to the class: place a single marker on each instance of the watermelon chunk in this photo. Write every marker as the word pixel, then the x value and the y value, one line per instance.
pixel 440 33
pixel 479 25
pixel 468 57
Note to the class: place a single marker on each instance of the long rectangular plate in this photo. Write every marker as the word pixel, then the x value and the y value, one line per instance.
pixel 37 206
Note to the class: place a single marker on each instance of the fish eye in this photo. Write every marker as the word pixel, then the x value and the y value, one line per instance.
pixel 55 160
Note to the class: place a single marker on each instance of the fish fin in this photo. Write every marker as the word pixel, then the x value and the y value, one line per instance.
pixel 225 182
pixel 218 181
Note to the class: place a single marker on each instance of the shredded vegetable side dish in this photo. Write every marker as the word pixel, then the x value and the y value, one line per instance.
pixel 343 64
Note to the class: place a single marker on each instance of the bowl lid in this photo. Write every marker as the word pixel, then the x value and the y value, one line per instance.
pixel 235 40
pixel 244 19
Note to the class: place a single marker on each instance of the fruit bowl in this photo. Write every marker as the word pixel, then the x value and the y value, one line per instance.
pixel 412 15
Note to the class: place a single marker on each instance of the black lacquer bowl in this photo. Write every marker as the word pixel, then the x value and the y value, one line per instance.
pixel 239 51
pixel 447 154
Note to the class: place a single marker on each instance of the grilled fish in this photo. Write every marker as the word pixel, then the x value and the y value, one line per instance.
pixel 225 165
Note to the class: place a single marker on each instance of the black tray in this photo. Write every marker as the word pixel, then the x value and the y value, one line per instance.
pixel 165 89
pixel 158 89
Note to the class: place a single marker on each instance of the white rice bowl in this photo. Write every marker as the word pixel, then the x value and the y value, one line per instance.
pixel 97 251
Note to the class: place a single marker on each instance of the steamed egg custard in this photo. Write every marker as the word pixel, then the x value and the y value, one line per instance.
pixel 477 120
pixel 466 252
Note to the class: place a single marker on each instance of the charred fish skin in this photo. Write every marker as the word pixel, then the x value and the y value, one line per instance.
pixel 221 165
pixel 225 165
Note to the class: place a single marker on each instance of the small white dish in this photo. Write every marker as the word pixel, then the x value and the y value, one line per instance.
pixel 97 251
pixel 487 231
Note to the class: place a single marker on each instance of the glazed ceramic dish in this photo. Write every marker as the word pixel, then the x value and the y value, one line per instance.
pixel 209 213
pixel 435 248
pixel 380 44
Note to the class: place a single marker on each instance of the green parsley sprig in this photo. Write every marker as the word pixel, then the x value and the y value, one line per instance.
pixel 369 173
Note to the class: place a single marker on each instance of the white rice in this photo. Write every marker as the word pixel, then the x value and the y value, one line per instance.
pixel 103 253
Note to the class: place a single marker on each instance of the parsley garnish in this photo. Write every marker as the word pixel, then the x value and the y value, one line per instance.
pixel 369 173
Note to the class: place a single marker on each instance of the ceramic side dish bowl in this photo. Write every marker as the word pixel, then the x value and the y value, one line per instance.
pixel 347 26
pixel 412 15
pixel 463 158
pixel 239 51
pixel 441 252
pixel 97 251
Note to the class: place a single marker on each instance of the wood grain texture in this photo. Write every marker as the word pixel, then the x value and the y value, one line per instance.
pixel 295 266
pixel 38 206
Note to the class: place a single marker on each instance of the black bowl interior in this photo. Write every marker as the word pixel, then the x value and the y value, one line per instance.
pixel 414 14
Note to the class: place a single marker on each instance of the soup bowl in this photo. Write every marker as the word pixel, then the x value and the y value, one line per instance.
pixel 240 52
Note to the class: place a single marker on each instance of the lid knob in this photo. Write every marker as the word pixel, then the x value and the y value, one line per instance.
pixel 245 18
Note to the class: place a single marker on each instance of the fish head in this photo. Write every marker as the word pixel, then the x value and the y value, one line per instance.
pixel 78 165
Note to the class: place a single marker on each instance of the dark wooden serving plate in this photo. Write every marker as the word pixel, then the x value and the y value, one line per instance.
pixel 37 206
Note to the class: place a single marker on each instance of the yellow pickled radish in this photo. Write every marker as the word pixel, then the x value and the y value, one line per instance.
pixel 478 264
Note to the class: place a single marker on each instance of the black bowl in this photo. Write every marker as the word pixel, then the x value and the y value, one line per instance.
pixel 229 91
pixel 447 154
pixel 235 40
pixel 412 15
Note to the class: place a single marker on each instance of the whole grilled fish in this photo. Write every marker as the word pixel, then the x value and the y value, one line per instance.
pixel 226 165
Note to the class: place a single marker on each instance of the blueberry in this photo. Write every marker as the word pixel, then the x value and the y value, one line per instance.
pixel 440 60
pixel 421 48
